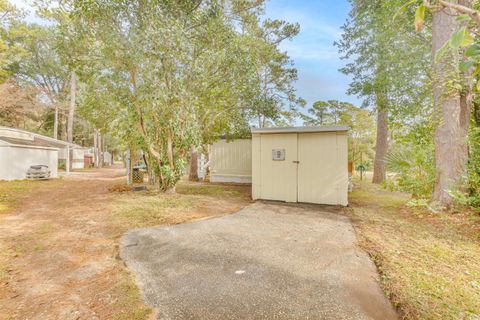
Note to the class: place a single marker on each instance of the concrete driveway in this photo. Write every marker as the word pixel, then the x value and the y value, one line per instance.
pixel 268 261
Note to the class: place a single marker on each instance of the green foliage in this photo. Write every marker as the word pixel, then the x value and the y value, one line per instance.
pixel 388 63
pixel 471 181
pixel 420 17
pixel 364 166
pixel 170 176
pixel 460 39
pixel 30 72
pixel 415 170
pixel 11 28
pixel 270 94
pixel 360 122
pixel 41 68
pixel 412 159
pixel 164 76
pixel 386 59
pixel 403 8
pixel 320 112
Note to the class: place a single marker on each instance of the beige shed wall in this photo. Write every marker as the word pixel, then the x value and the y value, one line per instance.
pixel 278 179
pixel 321 176
pixel 323 168
pixel 231 161
pixel 15 161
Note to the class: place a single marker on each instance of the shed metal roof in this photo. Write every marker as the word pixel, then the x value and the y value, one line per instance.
pixel 301 129
pixel 35 142
pixel 26 138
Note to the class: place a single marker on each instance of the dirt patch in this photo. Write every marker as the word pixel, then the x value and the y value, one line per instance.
pixel 59 246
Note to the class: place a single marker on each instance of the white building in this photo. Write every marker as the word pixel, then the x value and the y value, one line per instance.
pixel 21 149
pixel 106 156
pixel 78 154
pixel 231 161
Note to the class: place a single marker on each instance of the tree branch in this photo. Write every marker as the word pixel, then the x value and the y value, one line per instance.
pixel 474 14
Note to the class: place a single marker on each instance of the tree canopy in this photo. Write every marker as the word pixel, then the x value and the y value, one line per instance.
pixel 160 76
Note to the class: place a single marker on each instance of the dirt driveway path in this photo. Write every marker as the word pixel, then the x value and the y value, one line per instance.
pixel 58 256
pixel 268 261
pixel 59 241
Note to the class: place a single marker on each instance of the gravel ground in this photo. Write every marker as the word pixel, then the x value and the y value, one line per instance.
pixel 268 261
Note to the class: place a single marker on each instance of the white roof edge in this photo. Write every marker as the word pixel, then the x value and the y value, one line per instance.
pixel 300 129
pixel 41 137
pixel 11 145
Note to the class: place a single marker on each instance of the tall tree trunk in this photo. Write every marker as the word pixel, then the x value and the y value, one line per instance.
pixel 100 150
pixel 193 176
pixel 104 148
pixel 381 147
pixel 150 172
pixel 63 129
pixel 452 110
pixel 129 166
pixel 55 123
pixel 95 149
pixel 166 184
pixel 71 115
pixel 71 107
pixel 170 150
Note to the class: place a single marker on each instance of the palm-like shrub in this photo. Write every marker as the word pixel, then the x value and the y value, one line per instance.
pixel 413 169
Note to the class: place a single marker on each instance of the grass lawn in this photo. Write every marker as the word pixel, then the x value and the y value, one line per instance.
pixel 429 263
pixel 191 201
pixel 12 192
pixel 79 223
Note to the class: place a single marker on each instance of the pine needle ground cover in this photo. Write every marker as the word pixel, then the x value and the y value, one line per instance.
pixel 429 263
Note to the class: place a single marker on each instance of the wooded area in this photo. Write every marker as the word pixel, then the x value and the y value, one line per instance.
pixel 166 78
pixel 161 84
pixel 416 63
pixel 160 77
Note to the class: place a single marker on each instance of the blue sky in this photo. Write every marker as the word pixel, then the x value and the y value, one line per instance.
pixel 316 58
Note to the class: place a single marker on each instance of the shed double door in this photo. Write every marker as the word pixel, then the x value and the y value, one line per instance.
pixel 309 171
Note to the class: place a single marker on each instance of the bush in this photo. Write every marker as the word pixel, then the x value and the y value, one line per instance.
pixel 415 170
pixel 472 179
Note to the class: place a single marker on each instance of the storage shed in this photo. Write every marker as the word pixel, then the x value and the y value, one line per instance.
pixel 301 164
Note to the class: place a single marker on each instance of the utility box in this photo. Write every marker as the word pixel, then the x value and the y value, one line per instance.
pixel 137 175
pixel 301 164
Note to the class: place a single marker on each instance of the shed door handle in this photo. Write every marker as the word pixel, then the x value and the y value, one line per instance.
pixel 296 161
